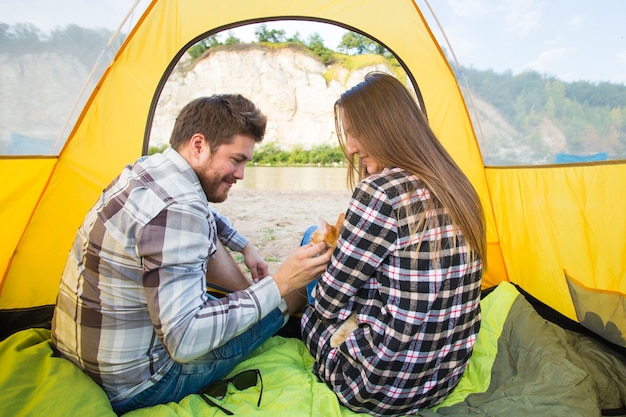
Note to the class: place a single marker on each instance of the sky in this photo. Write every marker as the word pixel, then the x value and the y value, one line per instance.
pixel 571 40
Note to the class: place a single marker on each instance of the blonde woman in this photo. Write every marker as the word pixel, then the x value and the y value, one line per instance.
pixel 408 263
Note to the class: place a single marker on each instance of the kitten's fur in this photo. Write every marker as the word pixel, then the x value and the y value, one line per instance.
pixel 342 333
pixel 330 234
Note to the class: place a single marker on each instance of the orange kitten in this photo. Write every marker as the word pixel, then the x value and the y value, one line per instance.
pixel 330 234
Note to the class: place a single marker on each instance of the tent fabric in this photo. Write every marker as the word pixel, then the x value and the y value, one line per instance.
pixel 522 365
pixel 599 311
pixel 24 180
pixel 558 219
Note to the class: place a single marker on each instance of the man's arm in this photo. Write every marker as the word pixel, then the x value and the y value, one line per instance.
pixel 227 234
pixel 223 271
pixel 234 240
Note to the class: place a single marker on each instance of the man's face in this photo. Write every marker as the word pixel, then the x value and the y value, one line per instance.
pixel 218 171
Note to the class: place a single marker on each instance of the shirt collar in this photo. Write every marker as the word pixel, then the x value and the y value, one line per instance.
pixel 183 166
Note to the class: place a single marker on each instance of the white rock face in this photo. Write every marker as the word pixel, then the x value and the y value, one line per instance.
pixel 289 86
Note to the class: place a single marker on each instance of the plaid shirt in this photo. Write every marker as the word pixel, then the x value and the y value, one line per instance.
pixel 132 298
pixel 418 319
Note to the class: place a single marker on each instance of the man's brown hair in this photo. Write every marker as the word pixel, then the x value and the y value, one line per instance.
pixel 218 118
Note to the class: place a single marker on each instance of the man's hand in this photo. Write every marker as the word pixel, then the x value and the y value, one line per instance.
pixel 301 267
pixel 255 263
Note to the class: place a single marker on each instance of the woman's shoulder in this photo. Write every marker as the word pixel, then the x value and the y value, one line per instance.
pixel 391 178
pixel 394 185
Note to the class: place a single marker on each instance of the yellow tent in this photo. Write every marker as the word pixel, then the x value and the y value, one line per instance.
pixel 543 222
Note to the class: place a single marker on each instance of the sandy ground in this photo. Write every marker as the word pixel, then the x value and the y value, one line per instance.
pixel 274 221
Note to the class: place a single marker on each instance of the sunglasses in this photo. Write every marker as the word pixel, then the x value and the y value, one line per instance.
pixel 241 381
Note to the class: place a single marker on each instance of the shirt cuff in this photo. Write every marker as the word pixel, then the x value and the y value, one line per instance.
pixel 283 307
pixel 268 296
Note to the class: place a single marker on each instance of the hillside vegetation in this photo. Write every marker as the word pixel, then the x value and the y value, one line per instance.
pixel 578 118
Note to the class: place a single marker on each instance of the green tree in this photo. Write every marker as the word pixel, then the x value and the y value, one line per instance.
pixel 199 48
pixel 617 117
pixel 157 149
pixel 354 43
pixel 326 154
pixel 270 153
pixel 263 34
pixel 295 38
pixel 232 39
pixel 298 156
pixel 601 94
pixel 555 92
pixel 316 44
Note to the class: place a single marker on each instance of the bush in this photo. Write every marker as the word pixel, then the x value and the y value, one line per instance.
pixel 272 154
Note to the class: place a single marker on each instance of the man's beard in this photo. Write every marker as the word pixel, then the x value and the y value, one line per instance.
pixel 216 191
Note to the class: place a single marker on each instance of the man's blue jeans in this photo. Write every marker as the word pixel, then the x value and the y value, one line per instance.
pixel 187 378
pixel 306 238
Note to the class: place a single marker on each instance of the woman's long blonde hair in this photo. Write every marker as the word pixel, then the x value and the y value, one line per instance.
pixel 387 122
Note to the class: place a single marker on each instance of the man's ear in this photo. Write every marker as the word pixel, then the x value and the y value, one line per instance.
pixel 197 144
pixel 196 150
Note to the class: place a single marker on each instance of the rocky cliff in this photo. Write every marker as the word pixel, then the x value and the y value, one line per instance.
pixel 294 89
